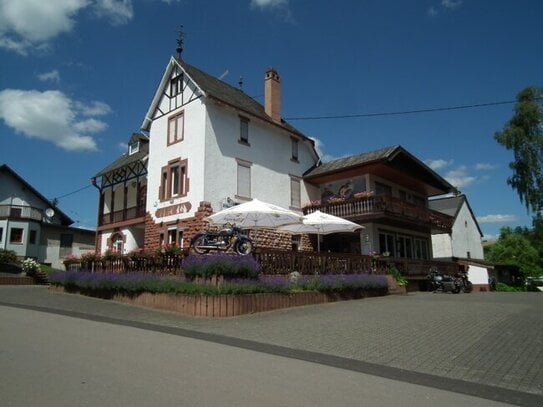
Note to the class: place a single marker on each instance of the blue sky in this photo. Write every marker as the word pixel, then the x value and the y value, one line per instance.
pixel 77 76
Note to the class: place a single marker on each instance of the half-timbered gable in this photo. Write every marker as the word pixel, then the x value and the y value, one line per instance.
pixel 122 187
pixel 211 142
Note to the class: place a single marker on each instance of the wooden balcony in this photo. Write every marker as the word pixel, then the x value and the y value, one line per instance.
pixel 283 262
pixel 386 209
pixel 121 216
pixel 20 212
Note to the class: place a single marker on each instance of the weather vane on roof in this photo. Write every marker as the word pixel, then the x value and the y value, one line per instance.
pixel 180 38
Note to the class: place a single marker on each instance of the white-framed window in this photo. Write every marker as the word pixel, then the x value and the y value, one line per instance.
pixel 16 235
pixel 174 180
pixel 387 243
pixel 244 179
pixel 295 193
pixel 117 244
pixel 243 130
pixel 175 237
pixel 294 149
pixel 133 147
pixel 66 244
pixel 175 128
pixel 176 85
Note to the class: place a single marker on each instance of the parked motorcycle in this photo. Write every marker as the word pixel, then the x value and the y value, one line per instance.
pixel 447 283
pixel 224 239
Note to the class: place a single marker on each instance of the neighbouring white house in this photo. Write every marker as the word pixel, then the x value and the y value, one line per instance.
pixel 464 244
pixel 31 226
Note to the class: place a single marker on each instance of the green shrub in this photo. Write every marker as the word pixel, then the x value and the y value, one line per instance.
pixel 507 288
pixel 400 280
pixel 7 256
pixel 220 265
pixel 31 267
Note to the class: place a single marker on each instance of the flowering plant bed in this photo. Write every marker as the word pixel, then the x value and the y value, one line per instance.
pixel 232 297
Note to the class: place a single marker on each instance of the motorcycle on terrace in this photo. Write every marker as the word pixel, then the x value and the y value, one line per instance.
pixel 226 238
pixel 438 282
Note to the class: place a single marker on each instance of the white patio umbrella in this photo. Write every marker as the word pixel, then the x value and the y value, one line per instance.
pixel 321 224
pixel 256 214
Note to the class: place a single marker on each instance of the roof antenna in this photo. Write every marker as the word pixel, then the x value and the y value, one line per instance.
pixel 240 83
pixel 180 39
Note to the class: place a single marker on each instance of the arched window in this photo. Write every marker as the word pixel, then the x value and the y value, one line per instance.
pixel 117 243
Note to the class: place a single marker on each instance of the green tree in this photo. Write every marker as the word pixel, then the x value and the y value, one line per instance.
pixel 514 248
pixel 523 134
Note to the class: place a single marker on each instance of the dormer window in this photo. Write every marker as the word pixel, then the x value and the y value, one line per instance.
pixel 133 147
pixel 294 148
pixel 176 85
pixel 243 130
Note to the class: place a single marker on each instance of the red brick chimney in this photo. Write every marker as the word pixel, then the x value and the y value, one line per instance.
pixel 272 95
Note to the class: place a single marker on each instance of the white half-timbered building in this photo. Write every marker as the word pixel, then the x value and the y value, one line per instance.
pixel 208 142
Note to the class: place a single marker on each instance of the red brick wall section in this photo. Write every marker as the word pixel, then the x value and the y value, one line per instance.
pixel 190 227
pixel 6 280
pixel 270 239
pixel 98 242
pixel 152 234
pixel 263 238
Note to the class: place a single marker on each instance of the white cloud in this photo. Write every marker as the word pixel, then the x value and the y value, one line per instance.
pixel 52 76
pixel 438 164
pixel 280 7
pixel 319 146
pixel 490 238
pixel 90 126
pixel 94 108
pixel 50 116
pixel 32 24
pixel 485 166
pixel 451 4
pixel 443 6
pixel 432 11
pixel 459 177
pixel 497 219
pixel 269 3
pixel 116 11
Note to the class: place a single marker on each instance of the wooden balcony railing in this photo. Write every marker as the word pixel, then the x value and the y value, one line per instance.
pixel 387 206
pixel 283 262
pixel 21 212
pixel 122 215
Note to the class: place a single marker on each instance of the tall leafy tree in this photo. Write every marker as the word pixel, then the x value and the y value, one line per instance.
pixel 514 248
pixel 523 134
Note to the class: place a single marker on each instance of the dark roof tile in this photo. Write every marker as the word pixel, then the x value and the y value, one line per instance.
pixel 232 96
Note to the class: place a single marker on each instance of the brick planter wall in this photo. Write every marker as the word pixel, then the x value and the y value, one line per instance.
pixel 226 305
pixel 16 280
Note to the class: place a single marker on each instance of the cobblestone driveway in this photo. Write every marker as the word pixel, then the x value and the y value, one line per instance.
pixel 493 339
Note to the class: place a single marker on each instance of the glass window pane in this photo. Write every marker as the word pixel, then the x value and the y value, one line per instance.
pixel 179 127
pixel 295 193
pixel 174 171
pixel 244 130
pixel 16 235
pixel 244 181
pixel 294 149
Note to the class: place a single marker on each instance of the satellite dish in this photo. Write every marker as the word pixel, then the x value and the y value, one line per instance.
pixel 49 212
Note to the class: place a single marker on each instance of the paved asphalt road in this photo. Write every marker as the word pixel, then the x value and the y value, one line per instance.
pixel 61 349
